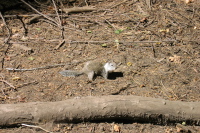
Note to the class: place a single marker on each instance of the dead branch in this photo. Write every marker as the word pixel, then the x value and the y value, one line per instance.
pixel 24 26
pixel 59 19
pixel 18 86
pixel 32 15
pixel 121 2
pixel 33 19
pixel 7 83
pixel 79 9
pixel 26 125
pixel 79 109
pixel 99 42
pixel 59 45
pixel 47 17
pixel 9 31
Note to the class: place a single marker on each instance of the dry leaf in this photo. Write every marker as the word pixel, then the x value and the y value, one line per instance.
pixel 178 129
pixel 16 78
pixel 24 38
pixel 185 1
pixel 2 25
pixel 188 1
pixel 164 30
pixel 175 59
pixel 129 64
pixel 116 128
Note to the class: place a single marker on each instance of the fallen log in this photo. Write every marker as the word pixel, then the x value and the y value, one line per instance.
pixel 79 109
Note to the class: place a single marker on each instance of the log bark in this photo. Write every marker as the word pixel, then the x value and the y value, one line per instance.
pixel 79 109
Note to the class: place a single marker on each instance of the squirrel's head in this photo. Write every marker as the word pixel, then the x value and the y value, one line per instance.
pixel 110 66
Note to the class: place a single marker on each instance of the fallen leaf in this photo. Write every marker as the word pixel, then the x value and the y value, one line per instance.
pixel 2 25
pixel 118 31
pixel 15 35
pixel 129 64
pixel 16 78
pixel 24 38
pixel 175 59
pixel 164 30
pixel 116 128
pixel 143 20
pixel 31 58
pixel 142 86
pixel 104 45
pixel 183 123
pixel 189 1
pixel 7 58
pixel 185 1
pixel 38 29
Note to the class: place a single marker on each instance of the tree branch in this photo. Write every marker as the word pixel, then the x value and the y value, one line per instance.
pixel 134 108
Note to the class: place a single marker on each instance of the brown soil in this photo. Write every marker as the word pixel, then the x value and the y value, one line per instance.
pixel 167 68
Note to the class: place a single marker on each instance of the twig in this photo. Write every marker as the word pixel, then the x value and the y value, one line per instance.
pixel 25 29
pixel 72 50
pixel 121 89
pixel 7 83
pixel 42 4
pixel 153 50
pixel 126 43
pixel 60 23
pixel 121 2
pixel 26 84
pixel 19 86
pixel 184 129
pixel 36 127
pixel 110 24
pixel 32 15
pixel 3 94
pixel 174 95
pixel 9 32
pixel 50 22
pixel 31 20
pixel 86 3
pixel 2 61
pixel 38 68
pixel 123 42
pixel 79 9
pixel 47 17
pixel 148 3
pixel 60 44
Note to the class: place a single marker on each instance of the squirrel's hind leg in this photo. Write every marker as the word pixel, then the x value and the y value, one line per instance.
pixel 91 75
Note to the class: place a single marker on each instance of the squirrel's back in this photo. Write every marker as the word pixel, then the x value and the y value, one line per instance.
pixel 92 68
pixel 95 66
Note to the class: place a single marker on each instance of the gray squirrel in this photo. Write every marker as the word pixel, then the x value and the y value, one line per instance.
pixel 92 68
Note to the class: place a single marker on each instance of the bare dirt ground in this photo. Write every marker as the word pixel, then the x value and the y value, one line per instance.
pixel 156 46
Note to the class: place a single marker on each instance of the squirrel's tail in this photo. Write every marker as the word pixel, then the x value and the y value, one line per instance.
pixel 69 73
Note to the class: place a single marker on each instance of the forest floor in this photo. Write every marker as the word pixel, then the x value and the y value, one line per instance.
pixel 157 47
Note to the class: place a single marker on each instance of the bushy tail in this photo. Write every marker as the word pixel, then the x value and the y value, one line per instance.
pixel 69 73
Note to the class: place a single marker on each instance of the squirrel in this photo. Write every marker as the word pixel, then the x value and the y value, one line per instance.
pixel 92 68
